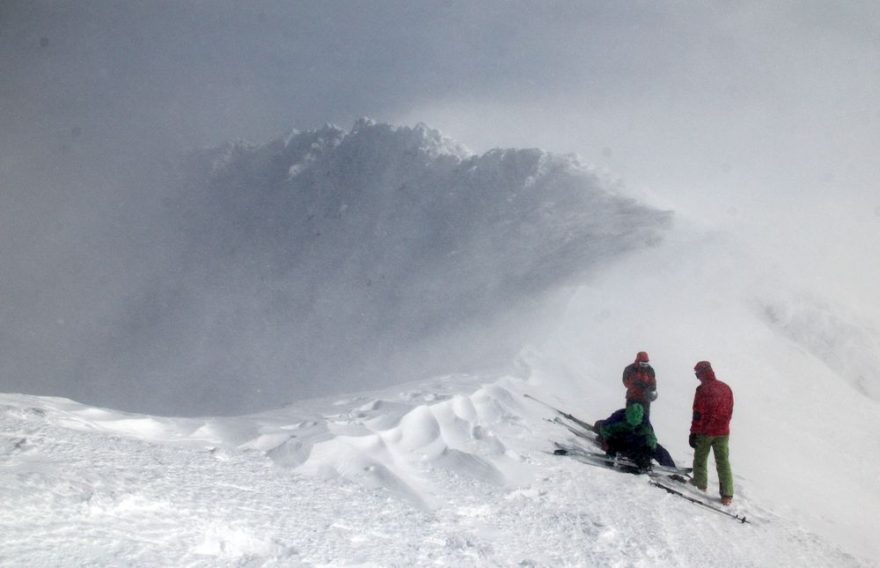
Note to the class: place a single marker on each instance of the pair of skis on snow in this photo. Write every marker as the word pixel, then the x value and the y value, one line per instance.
pixel 660 475
pixel 621 463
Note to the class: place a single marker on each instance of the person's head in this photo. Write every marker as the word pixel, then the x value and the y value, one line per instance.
pixel 703 371
pixel 634 414
pixel 642 359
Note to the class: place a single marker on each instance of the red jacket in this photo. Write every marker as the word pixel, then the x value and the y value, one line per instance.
pixel 639 381
pixel 713 407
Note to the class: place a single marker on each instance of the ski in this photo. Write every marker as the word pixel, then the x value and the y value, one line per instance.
pixel 579 422
pixel 615 463
pixel 621 463
pixel 741 518
pixel 586 435
pixel 571 449
pixel 685 472
pixel 682 473
pixel 575 448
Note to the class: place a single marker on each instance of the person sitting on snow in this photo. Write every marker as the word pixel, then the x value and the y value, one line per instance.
pixel 628 432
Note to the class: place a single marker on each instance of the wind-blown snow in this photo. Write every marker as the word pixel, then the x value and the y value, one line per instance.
pixel 845 342
pixel 335 260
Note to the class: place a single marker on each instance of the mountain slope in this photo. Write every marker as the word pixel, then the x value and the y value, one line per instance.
pixel 425 476
pixel 798 432
pixel 454 468
pixel 457 469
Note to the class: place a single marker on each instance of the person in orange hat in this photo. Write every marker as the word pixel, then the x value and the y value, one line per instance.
pixel 710 430
pixel 640 382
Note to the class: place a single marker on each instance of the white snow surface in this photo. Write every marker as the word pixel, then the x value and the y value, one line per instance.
pixel 458 471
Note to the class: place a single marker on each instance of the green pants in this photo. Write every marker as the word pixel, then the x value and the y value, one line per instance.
pixel 721 448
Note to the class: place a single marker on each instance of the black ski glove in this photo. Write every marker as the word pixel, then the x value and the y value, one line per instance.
pixel 692 440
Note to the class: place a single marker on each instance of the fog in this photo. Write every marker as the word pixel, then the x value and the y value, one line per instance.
pixel 756 118
pixel 750 118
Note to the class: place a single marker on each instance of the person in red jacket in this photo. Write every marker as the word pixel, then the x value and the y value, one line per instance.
pixel 640 382
pixel 710 430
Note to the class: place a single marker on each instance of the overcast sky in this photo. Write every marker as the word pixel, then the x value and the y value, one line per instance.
pixel 755 117
pixel 729 109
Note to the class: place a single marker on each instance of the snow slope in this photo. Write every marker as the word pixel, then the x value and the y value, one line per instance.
pixel 455 469
pixel 449 472
pixel 802 403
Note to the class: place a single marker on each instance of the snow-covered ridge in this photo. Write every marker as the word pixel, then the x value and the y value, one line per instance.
pixel 378 255
pixel 428 475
